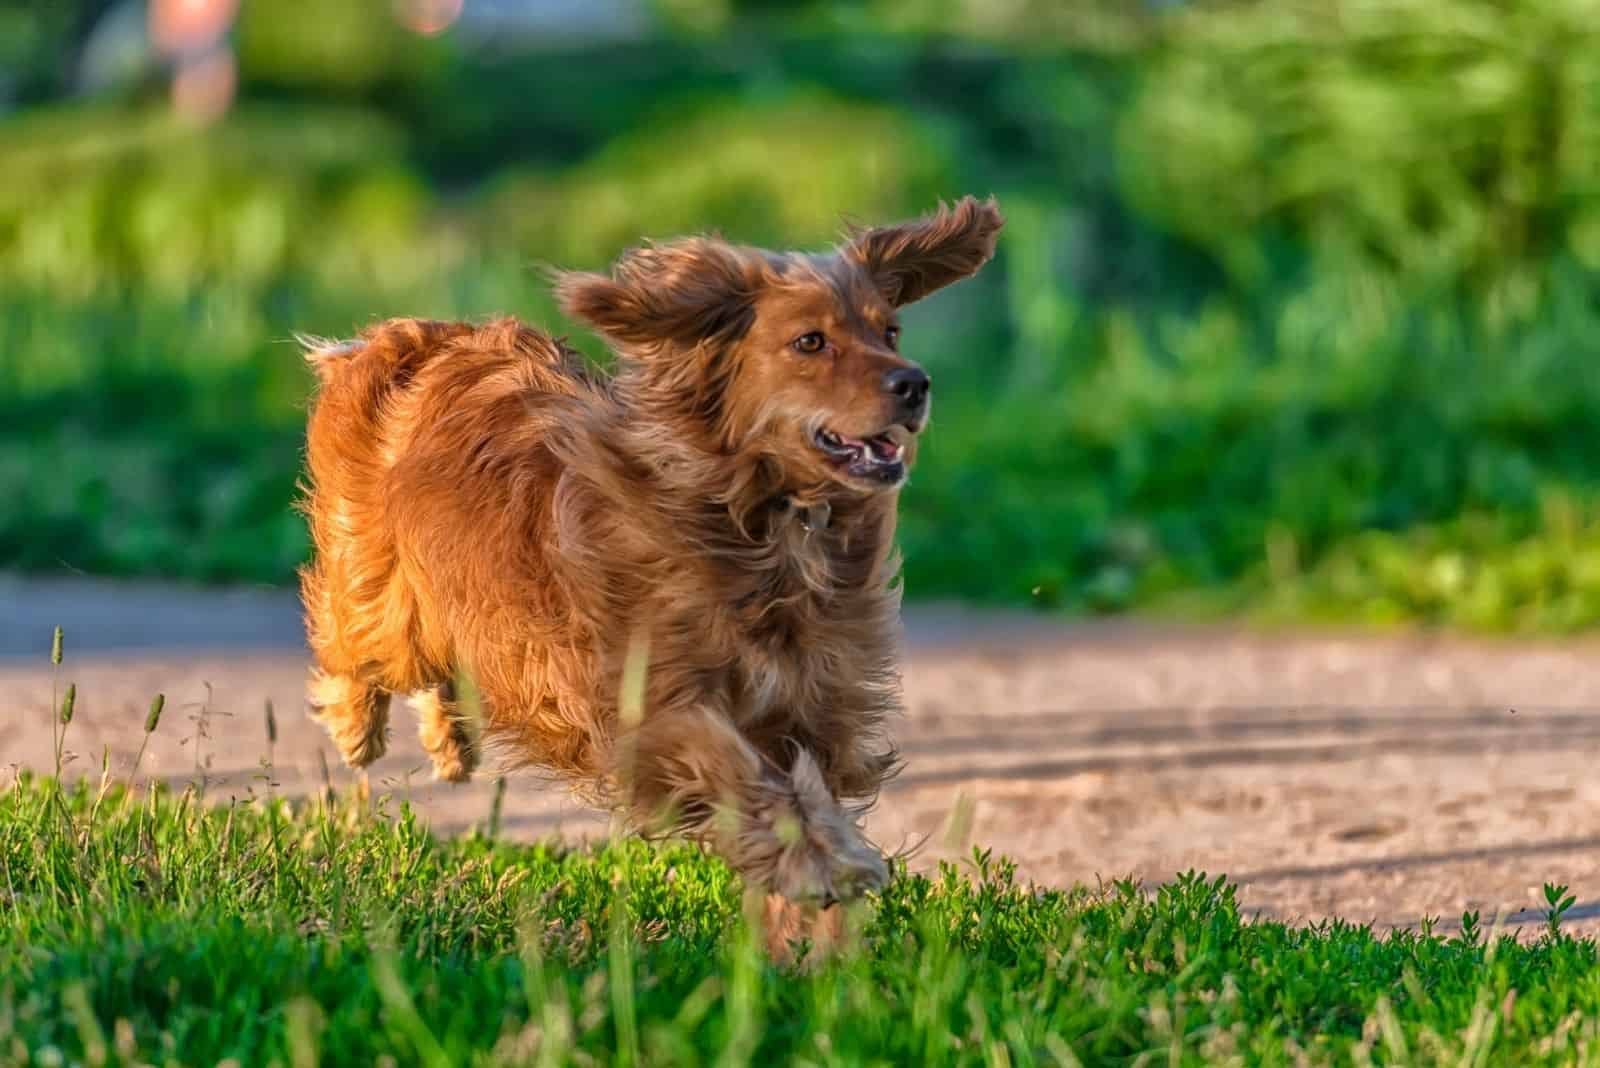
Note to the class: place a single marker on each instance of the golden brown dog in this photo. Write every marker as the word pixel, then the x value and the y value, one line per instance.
pixel 720 514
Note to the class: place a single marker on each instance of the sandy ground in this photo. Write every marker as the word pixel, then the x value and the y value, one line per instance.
pixel 1373 778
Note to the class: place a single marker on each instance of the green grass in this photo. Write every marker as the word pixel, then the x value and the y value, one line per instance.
pixel 154 928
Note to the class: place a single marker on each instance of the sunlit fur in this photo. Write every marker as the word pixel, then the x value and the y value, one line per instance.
pixel 486 510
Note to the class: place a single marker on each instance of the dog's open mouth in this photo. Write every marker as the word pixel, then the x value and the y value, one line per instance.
pixel 880 458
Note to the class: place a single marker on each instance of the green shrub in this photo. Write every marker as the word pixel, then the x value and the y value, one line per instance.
pixel 110 201
pixel 1445 140
pixel 1294 301
pixel 337 47
pixel 1172 455
pixel 783 172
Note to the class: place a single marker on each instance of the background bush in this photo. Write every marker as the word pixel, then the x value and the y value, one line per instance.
pixel 1292 315
pixel 1445 141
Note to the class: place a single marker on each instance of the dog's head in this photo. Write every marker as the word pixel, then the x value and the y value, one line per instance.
pixel 791 357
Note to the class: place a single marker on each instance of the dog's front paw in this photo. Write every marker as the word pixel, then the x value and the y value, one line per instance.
pixel 850 869
pixel 811 849
pixel 826 864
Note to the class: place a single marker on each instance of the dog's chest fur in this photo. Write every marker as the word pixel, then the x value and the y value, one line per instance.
pixel 781 610
pixel 817 616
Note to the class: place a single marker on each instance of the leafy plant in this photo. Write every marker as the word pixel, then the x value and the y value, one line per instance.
pixel 1445 140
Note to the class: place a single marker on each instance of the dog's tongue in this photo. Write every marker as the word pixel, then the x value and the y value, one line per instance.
pixel 884 447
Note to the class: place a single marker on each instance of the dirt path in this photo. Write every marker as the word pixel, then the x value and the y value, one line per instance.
pixel 1370 778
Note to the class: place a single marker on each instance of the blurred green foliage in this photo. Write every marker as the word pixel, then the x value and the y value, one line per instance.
pixel 1291 314
pixel 36 39
pixel 1445 140
pixel 109 201
pixel 785 172
pixel 346 48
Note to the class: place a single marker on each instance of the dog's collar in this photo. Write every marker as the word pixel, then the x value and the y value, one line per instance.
pixel 813 515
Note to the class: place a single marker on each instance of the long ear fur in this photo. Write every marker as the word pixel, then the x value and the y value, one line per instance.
pixel 684 292
pixel 910 260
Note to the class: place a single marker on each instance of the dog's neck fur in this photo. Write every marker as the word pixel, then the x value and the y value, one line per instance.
pixel 788 545
pixel 811 515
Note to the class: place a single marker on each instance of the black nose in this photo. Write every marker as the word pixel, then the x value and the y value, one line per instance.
pixel 909 385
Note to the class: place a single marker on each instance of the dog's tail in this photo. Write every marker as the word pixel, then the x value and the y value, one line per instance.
pixel 390 351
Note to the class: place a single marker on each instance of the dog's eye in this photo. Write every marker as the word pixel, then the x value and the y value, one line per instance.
pixel 892 336
pixel 810 343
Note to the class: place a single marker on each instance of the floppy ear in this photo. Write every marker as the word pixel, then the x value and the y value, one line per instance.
pixel 910 260
pixel 684 292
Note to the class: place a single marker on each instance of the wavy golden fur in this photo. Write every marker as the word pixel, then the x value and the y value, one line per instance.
pixel 484 508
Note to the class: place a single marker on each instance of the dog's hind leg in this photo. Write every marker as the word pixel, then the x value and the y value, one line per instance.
pixel 355 714
pixel 451 741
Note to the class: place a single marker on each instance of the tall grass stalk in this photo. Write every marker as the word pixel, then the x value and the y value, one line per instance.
pixel 57 643
pixel 152 720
